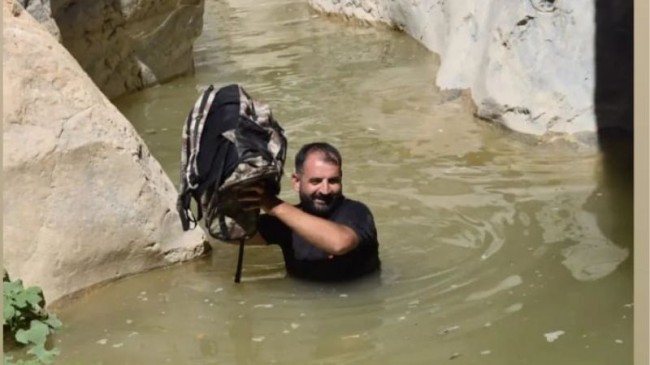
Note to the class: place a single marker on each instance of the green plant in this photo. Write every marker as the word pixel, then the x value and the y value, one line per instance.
pixel 26 322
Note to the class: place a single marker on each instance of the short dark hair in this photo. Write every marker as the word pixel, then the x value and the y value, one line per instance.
pixel 330 154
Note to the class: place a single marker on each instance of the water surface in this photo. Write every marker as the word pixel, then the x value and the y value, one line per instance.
pixel 495 250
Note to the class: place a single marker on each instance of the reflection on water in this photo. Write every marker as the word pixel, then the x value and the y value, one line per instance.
pixel 492 247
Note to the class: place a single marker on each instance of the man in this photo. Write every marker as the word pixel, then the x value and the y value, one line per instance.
pixel 327 236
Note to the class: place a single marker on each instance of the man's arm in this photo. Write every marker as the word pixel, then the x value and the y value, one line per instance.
pixel 331 237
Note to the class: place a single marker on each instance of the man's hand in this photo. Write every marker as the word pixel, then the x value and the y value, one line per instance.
pixel 333 238
pixel 255 197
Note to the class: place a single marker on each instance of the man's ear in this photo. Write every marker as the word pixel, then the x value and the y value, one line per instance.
pixel 295 180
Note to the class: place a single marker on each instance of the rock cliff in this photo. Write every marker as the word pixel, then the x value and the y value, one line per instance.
pixel 529 64
pixel 83 199
pixel 125 45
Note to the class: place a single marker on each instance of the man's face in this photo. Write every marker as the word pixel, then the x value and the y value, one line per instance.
pixel 319 185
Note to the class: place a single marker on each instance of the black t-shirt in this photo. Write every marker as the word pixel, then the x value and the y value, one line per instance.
pixel 306 261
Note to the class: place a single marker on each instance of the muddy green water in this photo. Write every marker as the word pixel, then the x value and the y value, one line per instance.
pixel 495 250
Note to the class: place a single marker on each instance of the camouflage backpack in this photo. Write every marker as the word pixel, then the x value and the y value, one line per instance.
pixel 229 142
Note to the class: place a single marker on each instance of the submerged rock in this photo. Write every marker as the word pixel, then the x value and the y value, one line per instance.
pixel 84 201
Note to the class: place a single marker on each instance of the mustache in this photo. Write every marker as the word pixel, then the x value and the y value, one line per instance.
pixel 325 197
pixel 327 202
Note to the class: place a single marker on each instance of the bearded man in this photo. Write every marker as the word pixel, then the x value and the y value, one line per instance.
pixel 326 237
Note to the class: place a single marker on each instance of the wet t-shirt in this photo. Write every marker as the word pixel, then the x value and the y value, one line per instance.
pixel 306 261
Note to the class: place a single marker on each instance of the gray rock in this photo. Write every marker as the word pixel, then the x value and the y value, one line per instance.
pixel 529 65
pixel 40 10
pixel 125 45
pixel 84 201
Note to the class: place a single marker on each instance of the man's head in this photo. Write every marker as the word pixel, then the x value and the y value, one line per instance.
pixel 318 177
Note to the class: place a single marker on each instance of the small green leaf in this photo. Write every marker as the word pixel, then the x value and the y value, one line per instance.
pixel 20 300
pixel 36 334
pixel 43 354
pixel 31 297
pixel 11 288
pixel 34 296
pixel 9 313
pixel 53 321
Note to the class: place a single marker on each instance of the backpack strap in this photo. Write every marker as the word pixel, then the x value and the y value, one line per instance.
pixel 196 121
pixel 192 132
pixel 240 260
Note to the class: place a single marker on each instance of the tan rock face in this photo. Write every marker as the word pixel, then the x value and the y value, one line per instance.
pixel 127 45
pixel 84 201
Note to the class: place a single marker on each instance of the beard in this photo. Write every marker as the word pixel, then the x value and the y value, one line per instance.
pixel 319 204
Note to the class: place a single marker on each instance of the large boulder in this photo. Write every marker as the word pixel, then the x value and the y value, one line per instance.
pixel 125 45
pixel 83 199
pixel 528 64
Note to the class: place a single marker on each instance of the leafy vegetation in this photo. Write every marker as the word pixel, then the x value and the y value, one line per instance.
pixel 26 323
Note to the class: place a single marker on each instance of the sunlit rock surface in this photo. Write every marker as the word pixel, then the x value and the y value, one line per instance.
pixel 125 45
pixel 83 199
pixel 529 64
